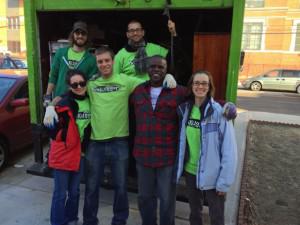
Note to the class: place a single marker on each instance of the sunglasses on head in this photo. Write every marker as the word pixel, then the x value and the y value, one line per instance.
pixel 76 84
pixel 78 32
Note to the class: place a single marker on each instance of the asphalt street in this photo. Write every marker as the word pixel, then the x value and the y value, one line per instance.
pixel 269 101
pixel 25 199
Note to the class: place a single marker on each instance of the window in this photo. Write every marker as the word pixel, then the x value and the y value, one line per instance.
pixel 252 36
pixel 22 92
pixel 7 63
pixel 254 3
pixel 14 46
pixel 297 37
pixel 290 73
pixel 5 84
pixel 272 73
pixel 21 63
pixel 12 3
pixel 13 22
pixel 295 40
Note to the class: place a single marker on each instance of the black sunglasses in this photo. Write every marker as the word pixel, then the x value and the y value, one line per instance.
pixel 75 84
pixel 78 32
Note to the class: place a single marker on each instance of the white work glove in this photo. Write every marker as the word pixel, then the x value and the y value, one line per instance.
pixel 229 111
pixel 51 117
pixel 169 81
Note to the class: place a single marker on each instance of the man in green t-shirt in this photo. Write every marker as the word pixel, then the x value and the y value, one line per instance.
pixel 109 94
pixel 74 57
pixel 131 60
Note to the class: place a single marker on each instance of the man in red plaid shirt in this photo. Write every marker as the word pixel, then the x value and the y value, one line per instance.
pixel 156 142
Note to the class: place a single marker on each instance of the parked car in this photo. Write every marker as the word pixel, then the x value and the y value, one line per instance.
pixel 14 66
pixel 15 130
pixel 277 79
pixel 20 63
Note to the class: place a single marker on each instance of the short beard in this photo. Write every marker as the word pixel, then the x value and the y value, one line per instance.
pixel 79 45
pixel 136 45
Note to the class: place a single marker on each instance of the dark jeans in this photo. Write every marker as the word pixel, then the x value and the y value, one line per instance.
pixel 65 199
pixel 195 197
pixel 114 153
pixel 153 183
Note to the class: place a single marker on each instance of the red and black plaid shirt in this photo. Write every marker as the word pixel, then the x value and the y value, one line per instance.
pixel 156 136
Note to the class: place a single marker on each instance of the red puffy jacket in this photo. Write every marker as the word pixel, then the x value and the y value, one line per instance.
pixel 66 154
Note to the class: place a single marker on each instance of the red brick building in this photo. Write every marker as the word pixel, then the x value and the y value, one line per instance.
pixel 271 37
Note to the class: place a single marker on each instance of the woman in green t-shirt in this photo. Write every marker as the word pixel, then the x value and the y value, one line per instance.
pixel 207 150
pixel 69 138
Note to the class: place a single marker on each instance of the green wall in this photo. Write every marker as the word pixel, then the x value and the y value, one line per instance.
pixel 133 4
pixel 31 23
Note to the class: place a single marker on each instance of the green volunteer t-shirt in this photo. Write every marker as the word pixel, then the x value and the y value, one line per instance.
pixel 109 105
pixel 123 61
pixel 193 133
pixel 83 117
pixel 74 58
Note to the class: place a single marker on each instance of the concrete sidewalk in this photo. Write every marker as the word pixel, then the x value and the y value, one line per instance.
pixel 25 199
pixel 240 125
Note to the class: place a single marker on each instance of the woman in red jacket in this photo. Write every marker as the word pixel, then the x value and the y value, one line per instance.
pixel 69 138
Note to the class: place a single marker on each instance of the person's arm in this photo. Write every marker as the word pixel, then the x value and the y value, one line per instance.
pixel 48 96
pixel 117 67
pixel 54 71
pixel 57 125
pixel 133 82
pixel 93 69
pixel 180 58
pixel 229 109
pixel 53 75
pixel 51 117
pixel 50 88
pixel 228 151
pixel 172 28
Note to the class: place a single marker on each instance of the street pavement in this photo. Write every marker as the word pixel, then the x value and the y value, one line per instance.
pixel 269 101
pixel 25 199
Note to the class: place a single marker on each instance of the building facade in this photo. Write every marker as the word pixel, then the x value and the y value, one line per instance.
pixel 12 30
pixel 271 36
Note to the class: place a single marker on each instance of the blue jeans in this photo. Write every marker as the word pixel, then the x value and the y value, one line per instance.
pixel 114 153
pixel 153 183
pixel 65 199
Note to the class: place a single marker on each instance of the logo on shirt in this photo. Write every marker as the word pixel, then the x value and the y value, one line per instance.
pixel 194 123
pixel 83 115
pixel 72 64
pixel 106 89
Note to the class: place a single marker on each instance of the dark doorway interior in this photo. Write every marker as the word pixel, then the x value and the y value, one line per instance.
pixel 109 27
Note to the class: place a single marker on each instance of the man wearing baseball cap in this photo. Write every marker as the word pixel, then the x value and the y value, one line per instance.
pixel 74 57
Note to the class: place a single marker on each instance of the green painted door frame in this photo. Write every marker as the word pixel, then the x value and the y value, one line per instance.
pixel 235 50
pixel 34 77
pixel 31 7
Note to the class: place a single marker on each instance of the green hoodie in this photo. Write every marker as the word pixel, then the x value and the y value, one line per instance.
pixel 60 67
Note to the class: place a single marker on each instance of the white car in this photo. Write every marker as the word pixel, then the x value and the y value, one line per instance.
pixel 277 79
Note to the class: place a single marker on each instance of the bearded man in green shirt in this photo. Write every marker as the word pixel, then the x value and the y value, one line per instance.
pixel 132 59
pixel 74 57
